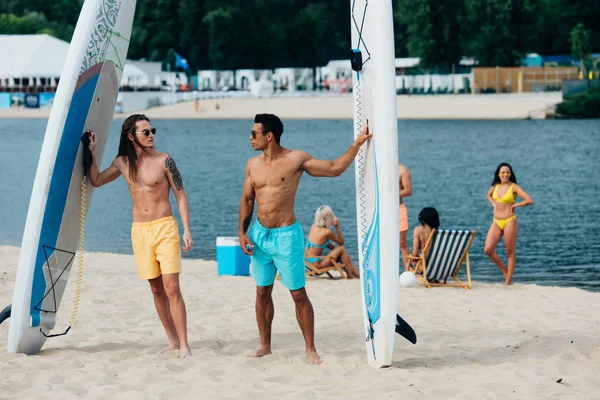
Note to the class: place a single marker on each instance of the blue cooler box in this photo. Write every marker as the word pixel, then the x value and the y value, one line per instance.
pixel 231 259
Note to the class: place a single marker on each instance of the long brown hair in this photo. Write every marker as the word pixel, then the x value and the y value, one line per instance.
pixel 512 178
pixel 126 146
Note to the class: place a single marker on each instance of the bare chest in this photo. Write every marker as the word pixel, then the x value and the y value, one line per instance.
pixel 149 175
pixel 274 176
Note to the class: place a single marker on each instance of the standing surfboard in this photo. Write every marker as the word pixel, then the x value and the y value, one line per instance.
pixel 376 173
pixel 85 100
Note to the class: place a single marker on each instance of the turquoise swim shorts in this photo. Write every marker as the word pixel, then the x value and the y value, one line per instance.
pixel 278 249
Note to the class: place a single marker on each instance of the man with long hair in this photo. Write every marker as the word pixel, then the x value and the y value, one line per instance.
pixel 151 175
pixel 276 240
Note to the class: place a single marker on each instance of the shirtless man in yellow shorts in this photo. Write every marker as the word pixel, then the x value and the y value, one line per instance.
pixel 151 175
pixel 276 240
pixel 405 182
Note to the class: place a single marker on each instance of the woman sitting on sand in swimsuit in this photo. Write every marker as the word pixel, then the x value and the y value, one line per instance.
pixel 502 196
pixel 321 237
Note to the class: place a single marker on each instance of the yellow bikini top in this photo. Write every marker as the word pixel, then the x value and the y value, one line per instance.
pixel 508 197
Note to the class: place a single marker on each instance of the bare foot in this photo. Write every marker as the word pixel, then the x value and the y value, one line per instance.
pixel 172 346
pixel 313 358
pixel 262 351
pixel 185 353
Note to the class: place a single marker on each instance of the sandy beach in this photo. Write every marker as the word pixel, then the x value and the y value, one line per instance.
pixel 490 342
pixel 490 107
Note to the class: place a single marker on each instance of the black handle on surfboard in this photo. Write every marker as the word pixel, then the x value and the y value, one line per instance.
pixel 87 154
pixel 405 330
pixel 5 314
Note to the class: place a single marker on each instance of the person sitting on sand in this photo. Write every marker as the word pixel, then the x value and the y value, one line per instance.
pixel 430 220
pixel 320 237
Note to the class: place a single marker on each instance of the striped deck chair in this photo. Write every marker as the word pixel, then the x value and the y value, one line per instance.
pixel 442 257
pixel 311 270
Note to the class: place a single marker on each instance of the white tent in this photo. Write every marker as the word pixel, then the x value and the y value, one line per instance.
pixel 153 71
pixel 133 76
pixel 35 57
pixel 31 57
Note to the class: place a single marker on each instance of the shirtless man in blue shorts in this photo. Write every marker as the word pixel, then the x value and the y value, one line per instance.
pixel 276 241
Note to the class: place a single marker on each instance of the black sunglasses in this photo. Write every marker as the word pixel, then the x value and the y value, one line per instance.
pixel 254 134
pixel 148 131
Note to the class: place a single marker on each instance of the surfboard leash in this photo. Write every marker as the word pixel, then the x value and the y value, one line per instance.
pixel 82 214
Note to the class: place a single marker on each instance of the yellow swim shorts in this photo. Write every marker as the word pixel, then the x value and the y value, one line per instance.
pixel 156 247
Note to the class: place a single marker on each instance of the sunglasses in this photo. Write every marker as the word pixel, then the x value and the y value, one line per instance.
pixel 147 132
pixel 254 134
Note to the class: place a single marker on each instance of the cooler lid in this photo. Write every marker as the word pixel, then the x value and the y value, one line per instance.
pixel 227 241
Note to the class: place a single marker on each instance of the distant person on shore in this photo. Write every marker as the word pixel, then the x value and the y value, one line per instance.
pixel 430 220
pixel 197 105
pixel 405 182
pixel 276 241
pixel 151 175
pixel 320 238
pixel 502 196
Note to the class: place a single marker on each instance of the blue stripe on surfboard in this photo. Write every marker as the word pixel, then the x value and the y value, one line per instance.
pixel 59 187
pixel 372 265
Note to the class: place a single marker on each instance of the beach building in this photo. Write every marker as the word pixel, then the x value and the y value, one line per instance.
pixel 215 80
pixel 259 82
pixel 336 77
pixel 142 75
pixel 293 79
pixel 35 63
pixel 30 72
pixel 31 63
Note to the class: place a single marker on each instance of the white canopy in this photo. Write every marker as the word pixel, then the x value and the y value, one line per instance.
pixel 43 56
pixel 25 56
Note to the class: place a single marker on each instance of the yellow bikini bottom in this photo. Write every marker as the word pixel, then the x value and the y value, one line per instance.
pixel 503 222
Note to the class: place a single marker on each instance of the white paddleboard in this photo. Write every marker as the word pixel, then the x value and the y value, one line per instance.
pixel 85 100
pixel 376 174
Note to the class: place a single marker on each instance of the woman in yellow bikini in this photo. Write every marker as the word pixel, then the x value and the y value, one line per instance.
pixel 502 196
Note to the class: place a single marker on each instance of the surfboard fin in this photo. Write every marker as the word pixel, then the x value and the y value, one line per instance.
pixel 405 330
pixel 5 314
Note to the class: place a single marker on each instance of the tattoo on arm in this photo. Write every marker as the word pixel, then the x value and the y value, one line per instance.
pixel 170 165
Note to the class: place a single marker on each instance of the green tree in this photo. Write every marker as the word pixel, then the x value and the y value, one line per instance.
pixel 490 35
pixel 29 24
pixel 193 38
pixel 581 47
pixel 401 35
pixel 222 36
pixel 282 33
pixel 155 29
pixel 432 30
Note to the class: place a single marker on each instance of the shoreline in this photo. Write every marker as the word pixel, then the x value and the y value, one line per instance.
pixel 422 107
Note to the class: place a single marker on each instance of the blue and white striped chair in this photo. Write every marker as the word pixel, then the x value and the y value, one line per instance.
pixel 442 257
